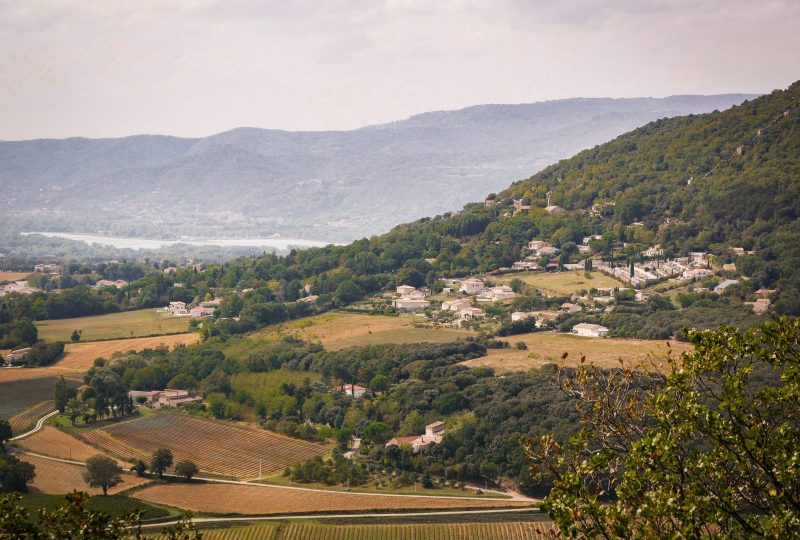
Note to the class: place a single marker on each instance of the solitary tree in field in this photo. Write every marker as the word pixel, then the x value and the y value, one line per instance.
pixel 161 461
pixel 76 336
pixel 186 468
pixel 103 472
pixel 708 449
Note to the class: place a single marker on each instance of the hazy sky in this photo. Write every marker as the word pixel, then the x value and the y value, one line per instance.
pixel 192 68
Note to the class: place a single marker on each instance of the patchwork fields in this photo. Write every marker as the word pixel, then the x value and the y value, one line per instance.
pixel 50 441
pixel 218 448
pixel 24 420
pixel 126 324
pixel 57 478
pixel 263 499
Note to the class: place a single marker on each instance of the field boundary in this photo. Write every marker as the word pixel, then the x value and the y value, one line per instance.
pixel 39 424
pixel 102 340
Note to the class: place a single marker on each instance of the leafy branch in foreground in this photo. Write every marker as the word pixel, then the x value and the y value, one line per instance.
pixel 708 446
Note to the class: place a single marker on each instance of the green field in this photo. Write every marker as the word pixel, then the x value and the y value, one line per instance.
pixel 261 385
pixel 458 530
pixel 114 505
pixel 126 324
pixel 16 396
pixel 561 283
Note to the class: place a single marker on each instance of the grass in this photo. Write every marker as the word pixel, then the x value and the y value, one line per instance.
pixel 16 396
pixel 114 505
pixel 260 385
pixel 280 480
pixel 126 324
pixel 338 330
pixel 561 283
pixel 547 348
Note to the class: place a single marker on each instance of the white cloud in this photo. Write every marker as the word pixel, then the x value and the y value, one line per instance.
pixel 193 68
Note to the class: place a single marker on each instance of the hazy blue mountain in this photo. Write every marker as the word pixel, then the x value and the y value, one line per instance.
pixel 334 185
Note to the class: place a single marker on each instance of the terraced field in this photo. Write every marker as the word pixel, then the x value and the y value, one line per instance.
pixel 218 448
pixel 512 530
pixel 24 420
pixel 263 499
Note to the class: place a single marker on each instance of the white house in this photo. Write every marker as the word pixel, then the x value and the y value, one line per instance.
pixel 697 273
pixel 524 265
pixel 496 294
pixel 467 314
pixel 590 330
pixel 409 303
pixel 455 305
pixel 536 245
pixel 352 390
pixel 178 309
pixel 434 433
pixel 471 286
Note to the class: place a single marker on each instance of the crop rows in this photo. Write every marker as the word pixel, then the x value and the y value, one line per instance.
pixel 20 422
pixel 218 448
pixel 439 531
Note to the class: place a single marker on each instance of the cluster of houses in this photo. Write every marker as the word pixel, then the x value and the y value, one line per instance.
pixel 19 287
pixel 203 309
pixel 462 309
pixel 47 268
pixel 155 399
pixel 537 249
pixel 410 298
pixel 434 433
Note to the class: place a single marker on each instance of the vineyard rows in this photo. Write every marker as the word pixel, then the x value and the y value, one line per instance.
pixel 439 531
pixel 20 422
pixel 216 447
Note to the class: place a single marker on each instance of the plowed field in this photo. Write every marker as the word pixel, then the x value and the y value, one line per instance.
pixel 54 442
pixel 242 499
pixel 22 421
pixel 218 448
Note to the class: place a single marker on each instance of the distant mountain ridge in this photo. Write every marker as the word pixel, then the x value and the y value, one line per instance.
pixel 329 185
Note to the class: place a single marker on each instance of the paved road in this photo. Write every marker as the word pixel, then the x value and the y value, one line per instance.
pixel 39 424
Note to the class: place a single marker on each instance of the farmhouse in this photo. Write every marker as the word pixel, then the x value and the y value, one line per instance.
pixel 590 330
pixel 352 390
pixel 178 309
pixel 404 290
pixel 471 286
pixel 467 314
pixel 410 304
pixel 17 355
pixel 420 443
pixel 155 399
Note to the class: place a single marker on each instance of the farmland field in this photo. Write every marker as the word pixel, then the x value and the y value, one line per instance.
pixel 269 383
pixel 24 420
pixel 13 276
pixel 50 441
pixel 339 330
pixel 561 283
pixel 78 357
pixel 502 530
pixel 547 348
pixel 262 499
pixel 56 478
pixel 114 505
pixel 17 396
pixel 219 448
pixel 126 324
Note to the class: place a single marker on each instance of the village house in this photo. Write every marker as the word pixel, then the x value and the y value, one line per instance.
pixel 697 273
pixel 434 433
pixel 590 330
pixel 496 294
pixel 155 399
pixel 47 268
pixel 521 316
pixel 404 290
pixel 524 265
pixel 471 286
pixel 201 311
pixel 455 305
pixel 760 306
pixel 352 390
pixel 570 308
pixel 470 313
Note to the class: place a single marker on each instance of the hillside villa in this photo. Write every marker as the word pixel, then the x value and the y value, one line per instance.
pixel 471 286
pixel 410 299
pixel 455 305
pixel 434 433
pixel 496 294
